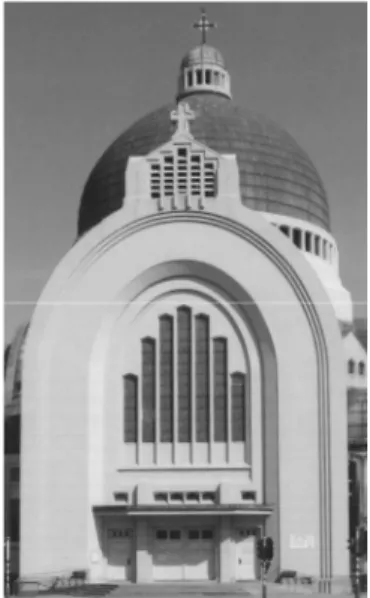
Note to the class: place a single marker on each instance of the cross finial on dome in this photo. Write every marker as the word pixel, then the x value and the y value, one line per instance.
pixel 182 115
pixel 204 25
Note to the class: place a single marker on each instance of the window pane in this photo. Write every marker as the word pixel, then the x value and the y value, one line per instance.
pixel 130 408
pixel 202 377
pixel 238 400
pixel 166 377
pixel 220 388
pixel 148 390
pixel 184 373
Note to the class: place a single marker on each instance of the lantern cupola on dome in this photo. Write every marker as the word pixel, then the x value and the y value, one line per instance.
pixel 203 68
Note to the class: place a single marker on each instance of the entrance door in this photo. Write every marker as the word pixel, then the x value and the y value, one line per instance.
pixel 245 555
pixel 167 555
pixel 199 555
pixel 119 553
pixel 183 554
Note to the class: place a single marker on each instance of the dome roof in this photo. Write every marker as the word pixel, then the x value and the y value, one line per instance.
pixel 276 175
pixel 201 55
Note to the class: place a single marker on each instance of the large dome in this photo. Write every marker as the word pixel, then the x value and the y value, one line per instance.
pixel 276 175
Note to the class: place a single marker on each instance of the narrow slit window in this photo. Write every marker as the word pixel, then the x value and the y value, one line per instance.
pixel 297 237
pixel 308 241
pixel 199 75
pixel 208 77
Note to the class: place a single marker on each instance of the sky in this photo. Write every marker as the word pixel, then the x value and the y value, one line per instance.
pixel 79 74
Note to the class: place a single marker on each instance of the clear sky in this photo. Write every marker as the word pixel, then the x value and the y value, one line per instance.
pixel 78 74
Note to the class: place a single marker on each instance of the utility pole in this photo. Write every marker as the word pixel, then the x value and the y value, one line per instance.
pixel 7 566
pixel 265 553
pixel 263 579
pixel 357 546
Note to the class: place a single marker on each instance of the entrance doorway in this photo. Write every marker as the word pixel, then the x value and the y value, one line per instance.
pixel 119 552
pixel 245 541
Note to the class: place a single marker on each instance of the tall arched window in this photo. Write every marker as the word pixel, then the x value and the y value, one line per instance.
pixel 361 368
pixel 351 366
pixel 148 391
pixel 130 409
pixel 202 377
pixel 166 377
pixel 238 407
pixel 184 373
pixel 220 388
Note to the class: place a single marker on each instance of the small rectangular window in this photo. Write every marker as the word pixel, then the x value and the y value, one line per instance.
pixel 161 534
pixel 193 534
pixel 209 496
pixel 121 496
pixel 175 534
pixel 249 495
pixel 207 534
pixel 192 496
pixel 160 497
pixel 182 152
pixel 176 496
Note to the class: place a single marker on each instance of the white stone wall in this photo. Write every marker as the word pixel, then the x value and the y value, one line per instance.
pixel 70 426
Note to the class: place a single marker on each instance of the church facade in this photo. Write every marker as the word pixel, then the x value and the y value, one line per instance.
pixel 184 385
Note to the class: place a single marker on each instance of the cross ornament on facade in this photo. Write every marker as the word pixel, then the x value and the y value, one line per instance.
pixel 182 115
pixel 204 25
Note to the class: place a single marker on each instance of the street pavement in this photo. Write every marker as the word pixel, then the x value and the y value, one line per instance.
pixel 252 589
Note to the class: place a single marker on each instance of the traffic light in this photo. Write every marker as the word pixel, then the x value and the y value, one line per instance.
pixel 269 549
pixel 265 549
pixel 361 541
pixel 261 549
